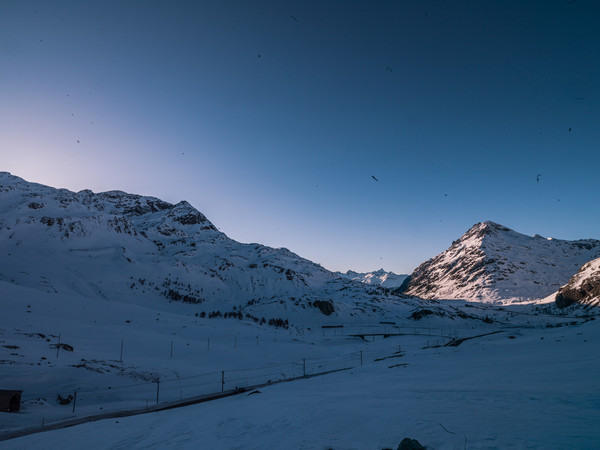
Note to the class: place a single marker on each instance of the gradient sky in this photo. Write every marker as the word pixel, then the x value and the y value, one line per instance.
pixel 272 117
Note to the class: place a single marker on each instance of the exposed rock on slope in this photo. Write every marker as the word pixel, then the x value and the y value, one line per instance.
pixel 583 288
pixel 493 263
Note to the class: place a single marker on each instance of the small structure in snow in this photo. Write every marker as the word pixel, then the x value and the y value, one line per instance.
pixel 10 401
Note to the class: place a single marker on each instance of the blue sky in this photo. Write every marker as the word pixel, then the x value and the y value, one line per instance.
pixel 272 117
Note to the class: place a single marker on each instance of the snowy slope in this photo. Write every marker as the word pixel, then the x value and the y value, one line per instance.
pixel 583 288
pixel 141 249
pixel 493 263
pixel 380 277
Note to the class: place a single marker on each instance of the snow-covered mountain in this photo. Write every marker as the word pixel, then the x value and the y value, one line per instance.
pixel 119 246
pixel 496 264
pixel 380 277
pixel 583 288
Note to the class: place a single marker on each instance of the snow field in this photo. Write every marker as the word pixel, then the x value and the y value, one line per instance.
pixel 493 392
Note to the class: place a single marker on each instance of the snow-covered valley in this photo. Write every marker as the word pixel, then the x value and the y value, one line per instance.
pixel 115 303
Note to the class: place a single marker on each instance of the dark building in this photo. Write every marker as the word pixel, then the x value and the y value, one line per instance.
pixel 10 401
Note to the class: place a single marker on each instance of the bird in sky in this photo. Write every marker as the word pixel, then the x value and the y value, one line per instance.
pixel 538 177
pixel 373 176
pixel 388 68
pixel 570 129
pixel 293 18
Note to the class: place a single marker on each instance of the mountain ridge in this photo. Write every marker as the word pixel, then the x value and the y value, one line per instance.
pixel 381 277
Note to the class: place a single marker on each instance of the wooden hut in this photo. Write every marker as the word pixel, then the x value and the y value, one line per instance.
pixel 10 401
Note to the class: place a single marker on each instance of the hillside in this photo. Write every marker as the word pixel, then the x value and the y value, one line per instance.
pixel 142 250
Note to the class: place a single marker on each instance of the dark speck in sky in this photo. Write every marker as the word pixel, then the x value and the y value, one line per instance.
pixel 373 176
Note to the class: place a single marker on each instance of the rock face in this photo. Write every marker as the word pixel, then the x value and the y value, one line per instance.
pixel 583 288
pixel 492 263
pixel 410 444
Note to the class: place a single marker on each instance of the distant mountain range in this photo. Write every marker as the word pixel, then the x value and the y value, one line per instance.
pixel 492 263
pixel 388 280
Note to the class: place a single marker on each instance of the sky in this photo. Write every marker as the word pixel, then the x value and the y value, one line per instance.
pixel 358 134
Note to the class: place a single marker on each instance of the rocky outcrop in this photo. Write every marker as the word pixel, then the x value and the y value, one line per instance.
pixel 583 288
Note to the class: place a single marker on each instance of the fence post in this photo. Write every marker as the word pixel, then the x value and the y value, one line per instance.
pixel 361 358
pixel 74 401
pixel 121 357
pixel 58 345
pixel 222 381
pixel 304 366
pixel 157 388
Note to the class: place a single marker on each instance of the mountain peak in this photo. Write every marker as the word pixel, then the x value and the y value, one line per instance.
pixel 488 227
pixel 491 262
